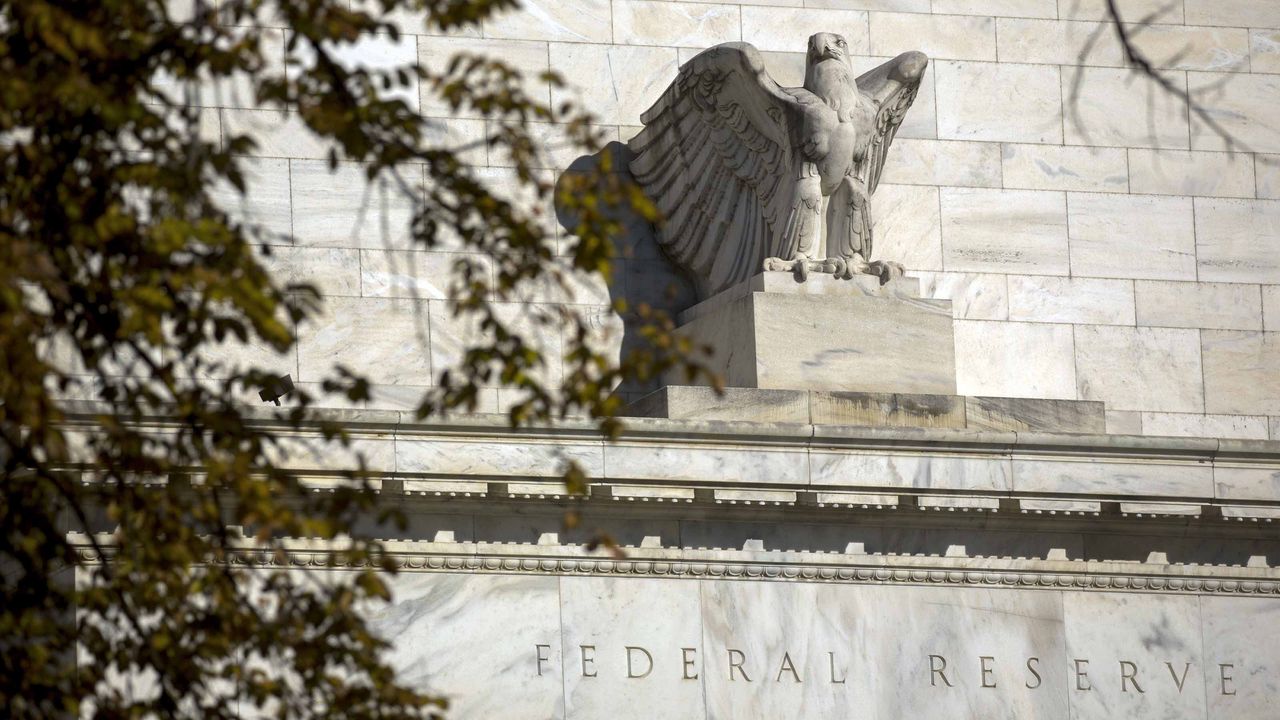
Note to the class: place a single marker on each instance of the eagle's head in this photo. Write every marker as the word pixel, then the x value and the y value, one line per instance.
pixel 828 46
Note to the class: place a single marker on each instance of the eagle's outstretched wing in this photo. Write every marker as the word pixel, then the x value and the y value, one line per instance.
pixel 718 157
pixel 891 87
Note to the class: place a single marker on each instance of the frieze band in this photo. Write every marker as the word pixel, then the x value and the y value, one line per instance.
pixel 941 672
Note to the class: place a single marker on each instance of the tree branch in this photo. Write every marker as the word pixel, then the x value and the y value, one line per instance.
pixel 1139 60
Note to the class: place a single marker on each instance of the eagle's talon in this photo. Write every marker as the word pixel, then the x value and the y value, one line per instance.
pixel 777 264
pixel 837 267
pixel 855 265
pixel 886 271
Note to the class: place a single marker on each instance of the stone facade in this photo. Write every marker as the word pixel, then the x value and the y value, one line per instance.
pixel 788 569
pixel 1077 218
pixel 1075 520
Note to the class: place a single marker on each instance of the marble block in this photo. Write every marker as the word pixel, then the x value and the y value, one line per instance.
pixel 632 649
pixel 838 335
pixel 1242 644
pixel 887 409
pixel 685 402
pixel 1034 414
pixel 578 647
pixel 454 634
pixel 1240 376
pixel 1133 656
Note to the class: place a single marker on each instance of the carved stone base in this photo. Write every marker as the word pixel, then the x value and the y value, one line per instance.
pixel 827 334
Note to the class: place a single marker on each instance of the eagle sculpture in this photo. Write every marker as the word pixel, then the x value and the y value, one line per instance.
pixel 738 165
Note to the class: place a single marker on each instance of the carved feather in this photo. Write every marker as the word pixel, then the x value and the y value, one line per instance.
pixel 717 157
pixel 891 87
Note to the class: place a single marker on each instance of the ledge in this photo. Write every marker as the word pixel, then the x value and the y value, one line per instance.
pixel 1230 479
pixel 850 567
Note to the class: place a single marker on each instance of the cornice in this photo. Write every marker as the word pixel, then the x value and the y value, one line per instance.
pixel 406 424
pixel 743 463
pixel 832 568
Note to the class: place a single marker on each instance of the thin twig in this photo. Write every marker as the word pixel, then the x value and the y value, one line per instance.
pixel 1143 64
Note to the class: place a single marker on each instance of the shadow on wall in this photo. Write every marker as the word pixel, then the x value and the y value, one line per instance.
pixel 643 275
pixel 798 530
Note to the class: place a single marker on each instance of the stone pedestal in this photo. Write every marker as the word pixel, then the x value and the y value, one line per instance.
pixel 773 332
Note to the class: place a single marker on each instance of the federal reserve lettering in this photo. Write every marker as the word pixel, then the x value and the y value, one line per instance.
pixel 936 670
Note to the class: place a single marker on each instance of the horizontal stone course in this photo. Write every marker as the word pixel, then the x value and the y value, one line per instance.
pixel 634 77
pixel 376 337
pixel 1264 50
pixel 759 456
pixel 1238 240
pixel 1056 42
pixel 678 24
pixel 1221 306
pixel 1236 102
pixel 992 359
pixel 1154 11
pixel 943 162
pixel 1118 107
pixel 1085 301
pixel 973 296
pixel 870 409
pixel 1124 422
pixel 1060 167
pixel 1175 172
pixel 950 37
pixel 1140 368
pixel 577 21
pixel 1029 110
pixel 275 133
pixel 338 208
pixel 1195 48
pixel 411 274
pixel 334 272
pixel 1007 8
pixel 788 29
pixel 1250 427
pixel 1238 13
pixel 1130 236
pixel 1240 372
pixel 1004 230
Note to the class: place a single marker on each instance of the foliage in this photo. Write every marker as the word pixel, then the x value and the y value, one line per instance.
pixel 122 279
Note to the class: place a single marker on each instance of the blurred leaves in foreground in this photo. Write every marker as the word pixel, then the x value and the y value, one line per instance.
pixel 147 533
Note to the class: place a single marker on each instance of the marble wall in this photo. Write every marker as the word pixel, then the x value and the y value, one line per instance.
pixel 1097 240
pixel 540 646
